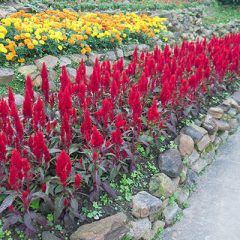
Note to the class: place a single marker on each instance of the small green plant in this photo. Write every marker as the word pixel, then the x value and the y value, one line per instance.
pixel 94 213
pixel 173 198
pixel 152 168
pixel 178 217
pixel 105 200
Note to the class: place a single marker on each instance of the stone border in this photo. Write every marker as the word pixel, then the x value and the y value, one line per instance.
pixel 169 189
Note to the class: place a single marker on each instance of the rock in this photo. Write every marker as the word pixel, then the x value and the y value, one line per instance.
pixel 113 227
pixel 50 61
pixel 216 112
pixel 232 112
pixel 120 53
pixel 193 157
pixel 224 136
pixel 52 86
pixel 195 132
pixel 182 195
pixel 231 103
pixel 111 56
pixel 37 81
pixel 140 228
pixel 170 213
pixel 28 70
pixel 6 11
pixel 52 75
pixel 6 76
pixel 89 71
pixel 143 47
pixel 64 61
pixel 186 145
pixel 77 58
pixel 236 97
pixel 234 125
pixel 19 100
pixel 157 225
pixel 222 125
pixel 72 73
pixel 161 185
pixel 170 163
pixel 49 236
pixel 202 163
pixel 210 125
pixel 203 143
pixel 191 178
pixel 144 205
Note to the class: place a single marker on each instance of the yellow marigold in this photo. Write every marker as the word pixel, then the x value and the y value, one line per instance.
pixel 35 42
pixel 21 60
pixel 30 46
pixel 10 56
pixel 60 47
pixel 83 51
pixel 71 41
pixel 44 38
pixel 42 42
pixel 21 44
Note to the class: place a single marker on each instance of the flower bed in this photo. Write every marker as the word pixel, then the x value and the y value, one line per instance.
pixel 66 146
pixel 23 34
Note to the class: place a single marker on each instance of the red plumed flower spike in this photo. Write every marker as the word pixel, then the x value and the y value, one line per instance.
pixel 77 181
pixel 97 139
pixel 117 137
pixel 86 127
pixel 153 114
pixel 45 82
pixel 63 167
pixel 11 98
pixel 29 87
pixel 27 105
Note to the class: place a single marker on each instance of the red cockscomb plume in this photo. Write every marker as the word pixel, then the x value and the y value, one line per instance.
pixel 63 167
pixel 45 82
pixel 77 181
pixel 97 139
pixel 153 114
pixel 27 105
pixel 117 137
pixel 29 87
pixel 39 117
pixel 86 127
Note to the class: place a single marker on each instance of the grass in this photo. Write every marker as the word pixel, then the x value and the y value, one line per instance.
pixel 219 13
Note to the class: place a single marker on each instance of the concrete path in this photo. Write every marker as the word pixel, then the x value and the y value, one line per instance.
pixel 214 212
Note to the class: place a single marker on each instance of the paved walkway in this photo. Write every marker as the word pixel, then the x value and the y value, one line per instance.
pixel 214 212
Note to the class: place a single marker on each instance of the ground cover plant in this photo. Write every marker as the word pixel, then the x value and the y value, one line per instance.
pixel 64 147
pixel 52 32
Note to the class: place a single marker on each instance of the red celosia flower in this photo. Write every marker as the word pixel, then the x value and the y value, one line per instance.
pixel 39 148
pixel 11 98
pixel 29 87
pixel 77 181
pixel 3 144
pixel 65 202
pixel 65 101
pixel 63 167
pixel 27 105
pixel 143 84
pixel 44 187
pixel 153 114
pixel 64 79
pixel 86 127
pixel 81 73
pixel 25 199
pixel 81 162
pixel 39 117
pixel 95 157
pixel 120 122
pixel 66 132
pixel 97 139
pixel 45 82
pixel 117 137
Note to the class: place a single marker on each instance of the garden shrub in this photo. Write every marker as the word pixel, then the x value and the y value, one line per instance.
pixel 66 146
pixel 230 2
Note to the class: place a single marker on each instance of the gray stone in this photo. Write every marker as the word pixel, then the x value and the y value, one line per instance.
pixel 191 178
pixel 89 71
pixel 64 61
pixel 170 163
pixel 232 112
pixel 216 112
pixel 170 213
pixel 52 75
pixel 19 100
pixel 210 125
pixel 157 225
pixel 236 97
pixel 161 185
pixel 111 56
pixel 72 73
pixel 144 205
pixel 143 47
pixel 50 61
pixel 231 103
pixel 49 236
pixel 120 53
pixel 113 227
pixel 195 132
pixel 186 145
pixel 203 143
pixel 203 162
pixel 234 125
pixel 77 58
pixel 222 125
pixel 6 11
pixel 6 76
pixel 193 157
pixel 224 136
pixel 37 81
pixel 28 70
pixel 182 195
pixel 140 228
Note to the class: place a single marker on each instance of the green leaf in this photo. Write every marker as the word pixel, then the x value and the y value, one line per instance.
pixel 35 204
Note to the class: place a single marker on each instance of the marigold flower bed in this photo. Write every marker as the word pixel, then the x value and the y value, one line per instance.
pixel 23 34
pixel 66 145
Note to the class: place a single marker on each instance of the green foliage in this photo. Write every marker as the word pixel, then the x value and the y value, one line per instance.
pixel 95 213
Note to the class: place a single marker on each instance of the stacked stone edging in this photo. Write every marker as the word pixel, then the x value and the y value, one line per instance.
pixel 154 210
